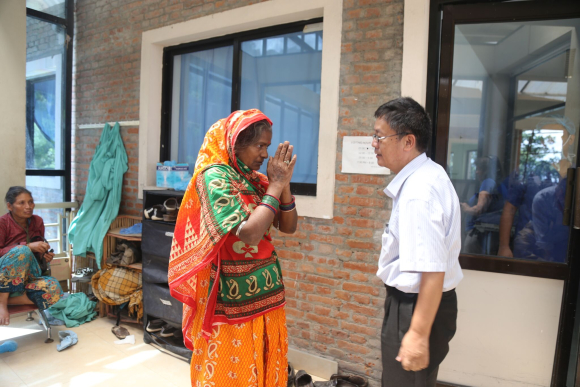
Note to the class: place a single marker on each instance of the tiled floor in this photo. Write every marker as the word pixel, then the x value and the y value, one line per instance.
pixel 94 361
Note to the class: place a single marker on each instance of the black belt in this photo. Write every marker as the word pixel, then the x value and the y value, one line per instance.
pixel 399 295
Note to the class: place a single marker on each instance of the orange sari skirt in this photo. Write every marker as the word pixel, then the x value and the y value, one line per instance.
pixel 252 354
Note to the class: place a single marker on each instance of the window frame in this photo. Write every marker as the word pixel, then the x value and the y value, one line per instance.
pixel 68 25
pixel 235 40
pixel 439 73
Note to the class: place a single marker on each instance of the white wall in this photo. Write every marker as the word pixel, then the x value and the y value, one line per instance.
pixel 506 331
pixel 13 95
pixel 507 324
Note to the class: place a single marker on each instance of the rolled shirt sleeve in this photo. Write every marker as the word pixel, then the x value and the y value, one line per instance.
pixel 423 231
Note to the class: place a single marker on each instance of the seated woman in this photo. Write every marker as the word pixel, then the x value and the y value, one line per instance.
pixel 484 207
pixel 21 280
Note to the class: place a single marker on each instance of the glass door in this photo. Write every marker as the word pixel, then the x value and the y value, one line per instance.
pixel 508 116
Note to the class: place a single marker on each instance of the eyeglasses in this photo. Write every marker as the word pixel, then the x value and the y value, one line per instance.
pixel 378 139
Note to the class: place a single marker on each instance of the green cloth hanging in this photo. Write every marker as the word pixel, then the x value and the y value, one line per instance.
pixel 103 195
pixel 74 310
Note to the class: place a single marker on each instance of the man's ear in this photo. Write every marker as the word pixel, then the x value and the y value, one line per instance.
pixel 410 142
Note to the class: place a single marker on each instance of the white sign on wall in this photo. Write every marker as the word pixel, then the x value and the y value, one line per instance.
pixel 358 156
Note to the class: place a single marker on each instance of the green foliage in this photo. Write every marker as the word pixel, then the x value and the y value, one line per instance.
pixel 43 151
pixel 537 152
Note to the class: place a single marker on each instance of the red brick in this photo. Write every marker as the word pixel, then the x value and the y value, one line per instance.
pixel 360 309
pixel 322 320
pixel 344 231
pixel 356 244
pixel 290 254
pixel 324 300
pixel 327 239
pixel 353 347
pixel 359 288
pixel 361 266
pixel 363 233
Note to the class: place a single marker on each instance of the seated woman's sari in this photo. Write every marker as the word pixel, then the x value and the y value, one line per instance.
pixel 233 294
pixel 20 272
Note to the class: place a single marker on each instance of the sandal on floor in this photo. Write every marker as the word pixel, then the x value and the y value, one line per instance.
pixel 120 332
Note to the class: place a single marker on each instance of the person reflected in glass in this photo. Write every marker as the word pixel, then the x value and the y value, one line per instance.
pixel 519 205
pixel 483 209
pixel 517 212
pixel 23 251
pixel 550 235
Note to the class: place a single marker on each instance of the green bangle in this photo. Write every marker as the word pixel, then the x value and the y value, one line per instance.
pixel 271 201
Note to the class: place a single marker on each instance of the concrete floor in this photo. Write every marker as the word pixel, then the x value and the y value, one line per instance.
pixel 94 361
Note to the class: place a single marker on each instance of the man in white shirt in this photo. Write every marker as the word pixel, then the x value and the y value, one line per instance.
pixel 420 249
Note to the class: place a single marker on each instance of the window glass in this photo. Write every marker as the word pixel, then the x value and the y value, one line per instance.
pixel 515 103
pixel 285 85
pixel 52 7
pixel 45 92
pixel 46 189
pixel 202 94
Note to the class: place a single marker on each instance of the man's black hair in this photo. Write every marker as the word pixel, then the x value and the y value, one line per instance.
pixel 405 116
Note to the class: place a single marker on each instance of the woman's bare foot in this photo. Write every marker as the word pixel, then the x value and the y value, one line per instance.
pixel 4 315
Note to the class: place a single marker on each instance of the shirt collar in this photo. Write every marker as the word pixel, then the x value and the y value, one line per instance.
pixel 394 187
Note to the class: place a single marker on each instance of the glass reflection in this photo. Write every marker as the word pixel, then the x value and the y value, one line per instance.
pixel 512 135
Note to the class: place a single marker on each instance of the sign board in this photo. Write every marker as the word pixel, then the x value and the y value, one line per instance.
pixel 358 156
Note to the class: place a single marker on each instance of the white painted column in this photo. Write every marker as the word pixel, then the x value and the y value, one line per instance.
pixel 13 96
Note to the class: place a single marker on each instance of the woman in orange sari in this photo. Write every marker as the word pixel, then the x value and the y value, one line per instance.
pixel 223 266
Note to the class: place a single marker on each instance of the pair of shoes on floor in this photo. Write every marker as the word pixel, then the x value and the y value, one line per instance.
pixel 344 380
pixel 303 379
pixel 166 211
pixel 299 379
pixel 83 275
pixel 164 329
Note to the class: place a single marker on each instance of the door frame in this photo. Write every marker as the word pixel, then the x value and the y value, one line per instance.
pixel 443 16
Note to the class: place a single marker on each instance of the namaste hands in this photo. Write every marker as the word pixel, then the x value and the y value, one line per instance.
pixel 281 165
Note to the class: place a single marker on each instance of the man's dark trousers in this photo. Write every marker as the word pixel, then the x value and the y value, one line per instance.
pixel 399 309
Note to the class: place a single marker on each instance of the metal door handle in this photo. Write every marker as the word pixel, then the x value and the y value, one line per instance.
pixel 569 196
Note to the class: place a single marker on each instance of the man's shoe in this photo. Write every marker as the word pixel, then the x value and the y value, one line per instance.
pixel 291 376
pixel 303 379
pixel 344 380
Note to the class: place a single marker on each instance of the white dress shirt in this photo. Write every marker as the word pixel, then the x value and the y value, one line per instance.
pixel 424 232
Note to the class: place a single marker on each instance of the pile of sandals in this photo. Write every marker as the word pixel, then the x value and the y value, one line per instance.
pixel 166 211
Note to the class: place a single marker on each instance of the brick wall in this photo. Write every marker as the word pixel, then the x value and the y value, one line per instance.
pixel 334 298
pixel 41 39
